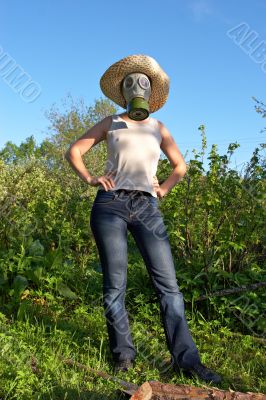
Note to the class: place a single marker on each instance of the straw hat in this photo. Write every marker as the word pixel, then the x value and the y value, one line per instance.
pixel 112 79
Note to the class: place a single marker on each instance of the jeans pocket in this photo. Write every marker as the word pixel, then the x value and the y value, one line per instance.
pixel 104 197
pixel 153 202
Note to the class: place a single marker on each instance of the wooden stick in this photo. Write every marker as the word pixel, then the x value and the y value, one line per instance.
pixel 226 292
pixel 129 388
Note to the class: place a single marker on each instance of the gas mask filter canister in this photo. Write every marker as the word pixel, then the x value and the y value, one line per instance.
pixel 136 89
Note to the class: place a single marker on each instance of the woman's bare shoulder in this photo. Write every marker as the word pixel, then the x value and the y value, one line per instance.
pixel 106 124
pixel 162 128
pixel 107 121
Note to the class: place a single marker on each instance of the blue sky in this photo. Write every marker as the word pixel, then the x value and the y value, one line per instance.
pixel 65 47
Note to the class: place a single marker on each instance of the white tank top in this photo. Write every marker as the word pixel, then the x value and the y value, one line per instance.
pixel 133 152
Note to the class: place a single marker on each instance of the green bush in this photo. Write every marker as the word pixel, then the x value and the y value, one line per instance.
pixel 48 257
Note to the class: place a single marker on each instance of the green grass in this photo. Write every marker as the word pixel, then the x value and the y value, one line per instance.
pixel 31 367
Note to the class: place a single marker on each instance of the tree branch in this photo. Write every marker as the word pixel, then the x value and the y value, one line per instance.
pixel 226 292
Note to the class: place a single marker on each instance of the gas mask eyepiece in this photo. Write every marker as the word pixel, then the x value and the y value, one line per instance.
pixel 136 89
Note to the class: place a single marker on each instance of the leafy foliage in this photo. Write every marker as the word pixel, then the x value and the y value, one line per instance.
pixel 48 257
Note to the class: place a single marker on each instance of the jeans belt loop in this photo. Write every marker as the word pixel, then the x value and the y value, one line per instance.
pixel 117 192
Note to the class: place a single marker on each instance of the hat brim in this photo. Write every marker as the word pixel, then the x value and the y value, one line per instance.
pixel 111 80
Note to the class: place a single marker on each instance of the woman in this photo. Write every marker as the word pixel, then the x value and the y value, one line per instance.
pixel 127 200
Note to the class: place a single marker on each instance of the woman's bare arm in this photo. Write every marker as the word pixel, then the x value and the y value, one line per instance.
pixel 82 145
pixel 172 152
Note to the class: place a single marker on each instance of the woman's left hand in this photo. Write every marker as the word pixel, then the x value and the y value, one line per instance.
pixel 159 191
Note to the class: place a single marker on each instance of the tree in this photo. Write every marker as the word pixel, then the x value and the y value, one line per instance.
pixel 12 153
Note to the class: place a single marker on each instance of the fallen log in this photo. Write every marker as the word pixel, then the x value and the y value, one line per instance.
pixel 154 390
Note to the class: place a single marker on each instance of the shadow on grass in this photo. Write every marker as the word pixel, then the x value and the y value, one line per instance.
pixel 236 384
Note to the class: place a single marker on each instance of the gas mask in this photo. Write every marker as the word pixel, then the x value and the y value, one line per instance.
pixel 136 89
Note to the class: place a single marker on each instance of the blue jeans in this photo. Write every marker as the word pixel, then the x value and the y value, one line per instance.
pixel 112 214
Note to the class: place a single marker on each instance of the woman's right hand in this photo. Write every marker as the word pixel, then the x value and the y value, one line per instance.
pixel 105 180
